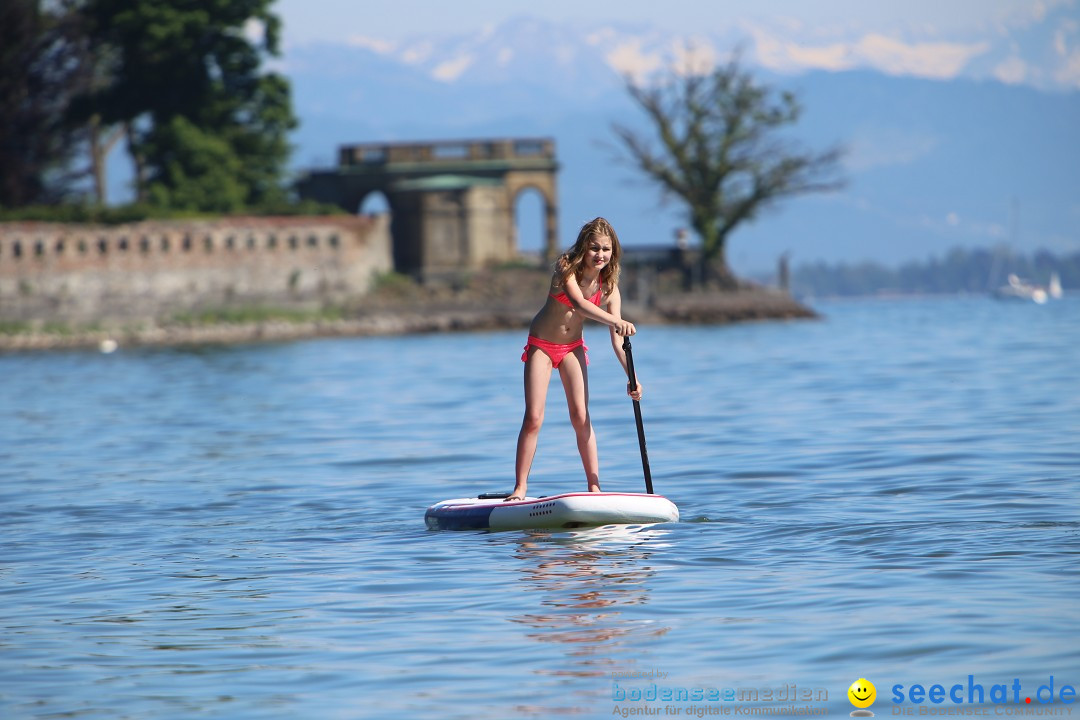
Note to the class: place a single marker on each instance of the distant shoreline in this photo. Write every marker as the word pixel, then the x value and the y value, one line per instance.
pixel 408 316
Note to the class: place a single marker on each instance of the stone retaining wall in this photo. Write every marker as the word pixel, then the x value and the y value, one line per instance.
pixel 84 274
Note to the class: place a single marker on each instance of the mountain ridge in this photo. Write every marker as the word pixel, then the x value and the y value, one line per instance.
pixel 1040 48
pixel 932 163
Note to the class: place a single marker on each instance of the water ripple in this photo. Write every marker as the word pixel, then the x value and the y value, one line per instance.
pixel 237 532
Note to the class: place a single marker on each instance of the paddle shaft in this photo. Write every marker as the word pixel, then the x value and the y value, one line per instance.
pixel 637 416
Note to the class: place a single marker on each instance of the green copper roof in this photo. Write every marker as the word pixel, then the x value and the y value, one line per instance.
pixel 445 182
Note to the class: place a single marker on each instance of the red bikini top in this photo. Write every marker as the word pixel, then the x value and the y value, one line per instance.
pixel 561 297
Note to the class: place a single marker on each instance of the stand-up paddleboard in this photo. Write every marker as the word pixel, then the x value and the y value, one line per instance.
pixel 557 512
pixel 491 511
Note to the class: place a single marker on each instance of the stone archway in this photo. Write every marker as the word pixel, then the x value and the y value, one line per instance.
pixel 453 201
pixel 544 183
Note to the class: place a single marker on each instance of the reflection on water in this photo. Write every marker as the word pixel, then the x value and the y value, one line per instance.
pixel 586 581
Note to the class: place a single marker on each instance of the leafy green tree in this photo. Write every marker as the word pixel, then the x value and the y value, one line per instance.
pixel 38 74
pixel 196 170
pixel 206 129
pixel 722 153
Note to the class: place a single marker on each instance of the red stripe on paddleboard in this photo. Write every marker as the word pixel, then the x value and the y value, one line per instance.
pixel 549 498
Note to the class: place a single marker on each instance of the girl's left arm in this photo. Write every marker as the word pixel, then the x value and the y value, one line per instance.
pixel 614 304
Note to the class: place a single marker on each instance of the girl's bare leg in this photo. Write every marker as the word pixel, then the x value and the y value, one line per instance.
pixel 537 378
pixel 575 379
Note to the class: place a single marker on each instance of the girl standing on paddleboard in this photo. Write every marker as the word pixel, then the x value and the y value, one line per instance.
pixel 585 278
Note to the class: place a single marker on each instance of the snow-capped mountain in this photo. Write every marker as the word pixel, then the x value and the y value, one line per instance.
pixel 1039 47
pixel 943 133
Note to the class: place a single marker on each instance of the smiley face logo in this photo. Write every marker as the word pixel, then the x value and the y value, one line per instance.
pixel 862 693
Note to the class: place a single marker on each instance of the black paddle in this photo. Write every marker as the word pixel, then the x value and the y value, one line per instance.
pixel 637 415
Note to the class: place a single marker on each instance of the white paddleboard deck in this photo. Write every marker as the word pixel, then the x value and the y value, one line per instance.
pixel 557 512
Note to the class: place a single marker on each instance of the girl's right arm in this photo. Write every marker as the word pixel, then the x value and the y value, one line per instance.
pixel 615 306
pixel 586 308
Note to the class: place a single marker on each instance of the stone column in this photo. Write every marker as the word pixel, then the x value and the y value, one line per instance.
pixel 551 230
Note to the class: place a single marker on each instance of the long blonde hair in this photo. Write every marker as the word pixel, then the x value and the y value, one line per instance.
pixel 573 260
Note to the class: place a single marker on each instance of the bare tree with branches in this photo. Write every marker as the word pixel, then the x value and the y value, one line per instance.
pixel 722 152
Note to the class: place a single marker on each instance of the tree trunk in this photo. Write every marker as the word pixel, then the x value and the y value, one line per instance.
pixel 99 151
pixel 97 162
pixel 715 270
pixel 138 161
pixel 718 275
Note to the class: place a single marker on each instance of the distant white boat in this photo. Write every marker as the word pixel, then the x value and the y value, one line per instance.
pixel 1019 289
pixel 1054 290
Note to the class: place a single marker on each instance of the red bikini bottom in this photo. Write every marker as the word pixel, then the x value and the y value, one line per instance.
pixel 555 351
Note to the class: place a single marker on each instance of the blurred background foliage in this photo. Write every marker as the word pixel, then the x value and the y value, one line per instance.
pixel 179 85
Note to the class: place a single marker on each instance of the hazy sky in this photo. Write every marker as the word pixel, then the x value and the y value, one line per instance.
pixel 337 20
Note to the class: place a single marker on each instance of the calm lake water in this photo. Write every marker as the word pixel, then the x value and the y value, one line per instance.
pixel 890 493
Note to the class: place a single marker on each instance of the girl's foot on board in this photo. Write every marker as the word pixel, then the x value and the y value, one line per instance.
pixel 516 495
pixel 593 487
